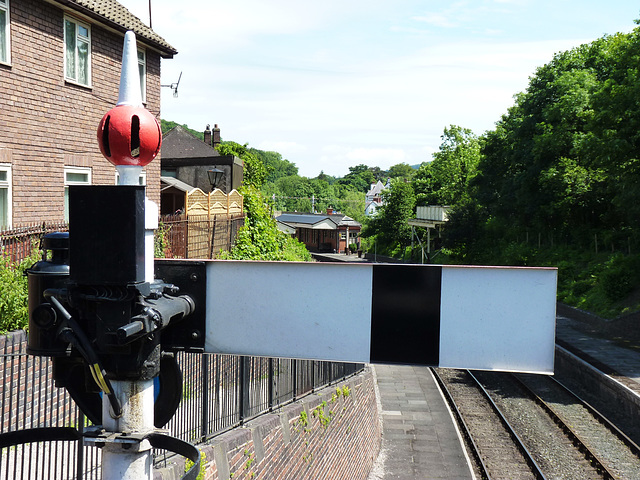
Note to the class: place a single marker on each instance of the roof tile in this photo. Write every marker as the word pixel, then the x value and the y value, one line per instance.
pixel 116 15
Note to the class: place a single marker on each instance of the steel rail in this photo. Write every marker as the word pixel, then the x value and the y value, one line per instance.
pixel 591 456
pixel 535 468
pixel 533 465
pixel 475 451
pixel 623 437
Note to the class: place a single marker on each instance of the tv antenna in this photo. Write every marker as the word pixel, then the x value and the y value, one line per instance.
pixel 174 86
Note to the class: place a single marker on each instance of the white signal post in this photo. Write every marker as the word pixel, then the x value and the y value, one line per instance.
pixel 137 396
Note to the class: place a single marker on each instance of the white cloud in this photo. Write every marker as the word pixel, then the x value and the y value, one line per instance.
pixel 436 19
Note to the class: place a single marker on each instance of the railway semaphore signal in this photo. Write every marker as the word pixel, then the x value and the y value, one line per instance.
pixel 112 321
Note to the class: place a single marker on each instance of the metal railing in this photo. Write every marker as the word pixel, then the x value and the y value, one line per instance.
pixel 219 393
pixel 18 243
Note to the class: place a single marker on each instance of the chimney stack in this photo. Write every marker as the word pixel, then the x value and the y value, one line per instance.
pixel 207 135
pixel 215 139
pixel 329 210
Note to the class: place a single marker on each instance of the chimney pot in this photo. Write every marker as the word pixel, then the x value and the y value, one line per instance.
pixel 215 139
pixel 207 135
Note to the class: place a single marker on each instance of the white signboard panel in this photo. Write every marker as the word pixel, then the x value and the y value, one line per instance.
pixel 464 317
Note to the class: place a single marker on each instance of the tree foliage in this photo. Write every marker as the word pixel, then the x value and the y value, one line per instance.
pixel 389 225
pixel 446 179
pixel 255 172
pixel 259 238
pixel 166 125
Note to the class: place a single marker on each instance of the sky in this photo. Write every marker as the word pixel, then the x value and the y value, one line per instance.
pixel 334 84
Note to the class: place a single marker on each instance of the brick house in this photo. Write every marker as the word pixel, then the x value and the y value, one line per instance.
pixel 330 232
pixel 60 68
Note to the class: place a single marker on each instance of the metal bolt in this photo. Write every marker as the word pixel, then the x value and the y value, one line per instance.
pixel 194 277
pixel 195 335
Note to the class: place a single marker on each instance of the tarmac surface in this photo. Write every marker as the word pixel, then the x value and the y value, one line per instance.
pixel 420 440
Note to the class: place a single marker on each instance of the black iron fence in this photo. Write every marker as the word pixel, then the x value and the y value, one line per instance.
pixel 18 243
pixel 179 236
pixel 219 393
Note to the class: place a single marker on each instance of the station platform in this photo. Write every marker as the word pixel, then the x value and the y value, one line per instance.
pixel 625 360
pixel 419 440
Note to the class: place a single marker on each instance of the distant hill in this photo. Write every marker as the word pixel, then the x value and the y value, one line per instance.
pixel 166 125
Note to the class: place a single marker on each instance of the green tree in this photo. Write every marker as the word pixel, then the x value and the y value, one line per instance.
pixel 276 166
pixel 359 178
pixel 389 226
pixel 166 125
pixel 446 179
pixel 255 172
pixel 352 204
pixel 401 170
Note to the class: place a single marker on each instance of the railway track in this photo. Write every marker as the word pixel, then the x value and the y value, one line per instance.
pixel 495 445
pixel 529 426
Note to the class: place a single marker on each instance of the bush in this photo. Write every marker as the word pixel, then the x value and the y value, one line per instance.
pixel 14 313
pixel 259 238
pixel 619 277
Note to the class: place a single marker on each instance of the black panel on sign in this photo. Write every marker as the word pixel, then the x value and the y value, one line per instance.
pixel 190 276
pixel 106 234
pixel 405 314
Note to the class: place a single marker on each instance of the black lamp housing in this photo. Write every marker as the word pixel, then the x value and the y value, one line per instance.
pixel 215 175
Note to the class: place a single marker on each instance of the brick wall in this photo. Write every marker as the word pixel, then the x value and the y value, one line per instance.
pixel 323 436
pixel 47 123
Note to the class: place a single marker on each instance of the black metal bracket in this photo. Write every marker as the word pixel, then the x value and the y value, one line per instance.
pixel 190 276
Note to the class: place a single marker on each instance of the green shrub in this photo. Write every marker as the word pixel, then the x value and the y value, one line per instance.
pixel 259 238
pixel 619 277
pixel 14 312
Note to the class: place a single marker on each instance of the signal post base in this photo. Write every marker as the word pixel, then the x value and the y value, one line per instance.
pixel 122 460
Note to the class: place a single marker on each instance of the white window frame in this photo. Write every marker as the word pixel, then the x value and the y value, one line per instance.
pixel 6 26
pixel 78 24
pixel 7 184
pixel 142 68
pixel 67 183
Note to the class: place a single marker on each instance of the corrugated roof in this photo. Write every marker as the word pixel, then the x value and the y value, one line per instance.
pixel 115 15
pixel 177 143
pixel 174 182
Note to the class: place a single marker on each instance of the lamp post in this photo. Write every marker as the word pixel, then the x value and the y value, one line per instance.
pixel 215 175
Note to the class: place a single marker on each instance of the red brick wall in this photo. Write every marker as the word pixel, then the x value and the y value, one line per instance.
pixel 47 123
pixel 283 446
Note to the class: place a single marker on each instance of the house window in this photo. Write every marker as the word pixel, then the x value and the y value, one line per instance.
pixel 5 196
pixel 77 56
pixel 74 176
pixel 5 50
pixel 142 68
